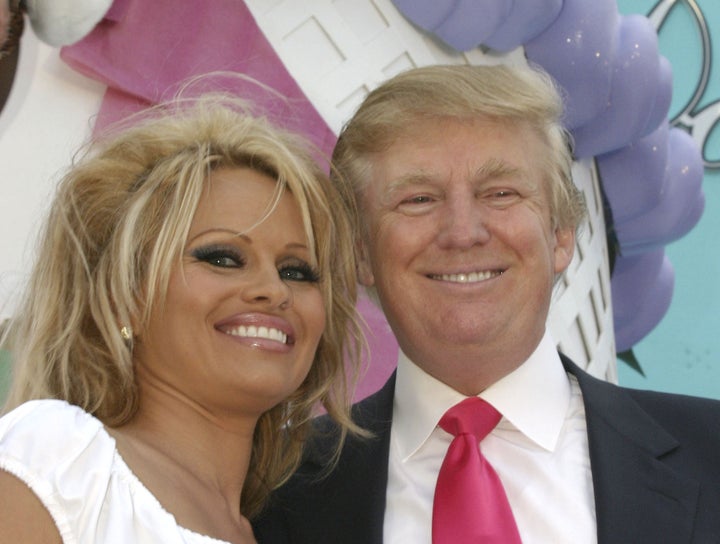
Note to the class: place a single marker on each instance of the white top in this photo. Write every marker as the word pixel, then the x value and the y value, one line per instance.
pixel 539 450
pixel 71 463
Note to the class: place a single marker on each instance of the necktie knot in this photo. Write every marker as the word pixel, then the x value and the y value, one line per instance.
pixel 472 416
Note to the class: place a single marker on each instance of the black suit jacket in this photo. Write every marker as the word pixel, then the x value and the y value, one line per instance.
pixel 655 462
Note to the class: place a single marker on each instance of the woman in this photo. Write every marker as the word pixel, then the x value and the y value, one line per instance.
pixel 192 297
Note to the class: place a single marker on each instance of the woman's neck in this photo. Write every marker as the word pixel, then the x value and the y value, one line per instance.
pixel 192 459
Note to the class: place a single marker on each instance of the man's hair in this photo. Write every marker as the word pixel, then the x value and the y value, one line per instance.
pixel 116 228
pixel 514 94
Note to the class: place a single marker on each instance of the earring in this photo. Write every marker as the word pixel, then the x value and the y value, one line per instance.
pixel 126 332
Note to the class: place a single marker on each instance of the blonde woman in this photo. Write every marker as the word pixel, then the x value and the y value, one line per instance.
pixel 192 302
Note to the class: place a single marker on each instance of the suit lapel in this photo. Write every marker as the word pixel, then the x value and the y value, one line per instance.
pixel 638 498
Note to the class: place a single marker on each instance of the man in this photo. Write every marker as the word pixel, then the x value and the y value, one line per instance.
pixel 468 217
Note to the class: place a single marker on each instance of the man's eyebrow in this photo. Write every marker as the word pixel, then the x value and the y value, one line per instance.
pixel 408 180
pixel 496 168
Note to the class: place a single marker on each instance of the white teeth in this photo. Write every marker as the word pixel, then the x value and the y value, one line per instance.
pixel 472 277
pixel 259 332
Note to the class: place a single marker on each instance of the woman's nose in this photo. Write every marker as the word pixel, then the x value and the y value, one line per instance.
pixel 267 287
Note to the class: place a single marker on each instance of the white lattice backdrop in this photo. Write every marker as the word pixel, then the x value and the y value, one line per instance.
pixel 337 50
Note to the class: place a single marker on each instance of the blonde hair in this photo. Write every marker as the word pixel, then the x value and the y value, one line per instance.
pixel 500 92
pixel 117 226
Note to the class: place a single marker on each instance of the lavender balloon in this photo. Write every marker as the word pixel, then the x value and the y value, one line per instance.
pixel 525 21
pixel 681 204
pixel 633 91
pixel 642 289
pixel 634 177
pixel 663 96
pixel 462 24
pixel 577 49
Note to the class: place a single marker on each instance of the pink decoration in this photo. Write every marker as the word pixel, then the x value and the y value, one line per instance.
pixel 144 50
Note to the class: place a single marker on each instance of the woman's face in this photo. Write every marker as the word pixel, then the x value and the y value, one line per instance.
pixel 244 312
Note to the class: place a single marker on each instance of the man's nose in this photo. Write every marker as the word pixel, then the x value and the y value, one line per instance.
pixel 463 223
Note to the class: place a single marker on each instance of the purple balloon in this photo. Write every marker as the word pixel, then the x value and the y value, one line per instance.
pixel 663 96
pixel 526 20
pixel 634 86
pixel 642 289
pixel 634 177
pixel 577 50
pixel 427 14
pixel 462 24
pixel 681 203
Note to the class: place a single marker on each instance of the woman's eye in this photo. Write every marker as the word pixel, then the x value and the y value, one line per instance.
pixel 299 272
pixel 220 257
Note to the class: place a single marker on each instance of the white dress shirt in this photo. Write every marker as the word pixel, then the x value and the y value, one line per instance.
pixel 539 450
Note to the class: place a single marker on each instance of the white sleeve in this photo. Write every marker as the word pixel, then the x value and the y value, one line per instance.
pixel 64 455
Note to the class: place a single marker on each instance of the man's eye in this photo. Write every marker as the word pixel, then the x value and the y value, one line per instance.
pixel 220 257
pixel 299 272
pixel 419 199
pixel 504 193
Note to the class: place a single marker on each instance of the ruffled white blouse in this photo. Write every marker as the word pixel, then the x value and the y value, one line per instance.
pixel 71 463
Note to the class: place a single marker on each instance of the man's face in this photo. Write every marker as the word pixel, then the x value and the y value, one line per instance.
pixel 460 245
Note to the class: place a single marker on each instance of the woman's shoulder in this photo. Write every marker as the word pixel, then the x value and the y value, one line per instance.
pixel 51 439
pixel 54 422
pixel 64 455
pixel 45 409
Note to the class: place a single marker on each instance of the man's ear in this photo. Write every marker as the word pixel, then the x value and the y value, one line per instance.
pixel 564 248
pixel 365 275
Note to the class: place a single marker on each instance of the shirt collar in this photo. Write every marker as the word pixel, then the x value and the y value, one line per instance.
pixel 534 399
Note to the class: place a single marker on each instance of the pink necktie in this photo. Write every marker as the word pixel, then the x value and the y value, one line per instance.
pixel 470 504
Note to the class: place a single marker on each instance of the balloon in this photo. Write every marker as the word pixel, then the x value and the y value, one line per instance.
pixel 577 50
pixel 427 14
pixel 465 24
pixel 681 204
pixel 462 24
pixel 642 288
pixel 526 20
pixel 633 88
pixel 663 96
pixel 634 177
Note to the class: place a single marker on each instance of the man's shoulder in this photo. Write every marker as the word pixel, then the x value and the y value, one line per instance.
pixel 348 492
pixel 690 414
pixel 659 402
pixel 372 414
pixel 694 422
